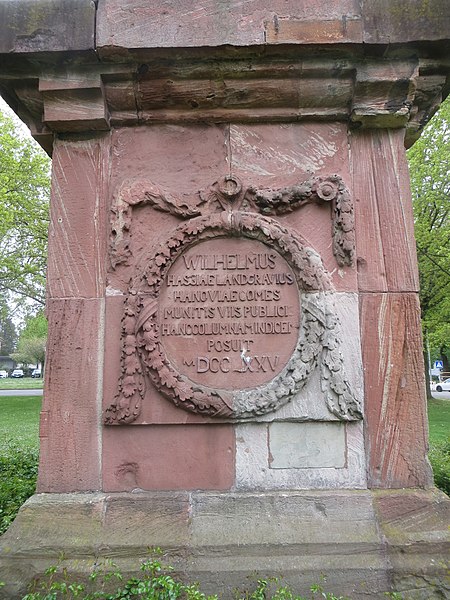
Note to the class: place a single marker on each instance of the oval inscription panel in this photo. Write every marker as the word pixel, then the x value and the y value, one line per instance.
pixel 229 313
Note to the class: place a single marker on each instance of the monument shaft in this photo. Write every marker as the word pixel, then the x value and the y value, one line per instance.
pixel 235 358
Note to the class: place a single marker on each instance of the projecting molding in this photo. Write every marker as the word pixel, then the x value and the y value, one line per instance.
pixel 91 71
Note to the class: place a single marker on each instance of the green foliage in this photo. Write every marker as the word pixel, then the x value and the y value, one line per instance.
pixel 155 582
pixel 24 195
pixel 8 333
pixel 439 453
pixel 439 456
pixel 430 186
pixel 32 341
pixel 18 474
pixel 30 351
pixel 106 582
pixel 35 327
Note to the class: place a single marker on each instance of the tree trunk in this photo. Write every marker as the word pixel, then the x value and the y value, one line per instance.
pixel 427 375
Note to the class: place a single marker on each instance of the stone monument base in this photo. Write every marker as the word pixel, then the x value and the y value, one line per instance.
pixel 363 542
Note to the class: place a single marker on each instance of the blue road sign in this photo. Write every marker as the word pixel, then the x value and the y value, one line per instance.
pixel 438 364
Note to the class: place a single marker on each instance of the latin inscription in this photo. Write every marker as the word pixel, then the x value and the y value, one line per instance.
pixel 229 313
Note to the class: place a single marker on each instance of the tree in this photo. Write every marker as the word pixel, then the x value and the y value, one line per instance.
pixel 8 333
pixel 32 341
pixel 429 162
pixel 24 200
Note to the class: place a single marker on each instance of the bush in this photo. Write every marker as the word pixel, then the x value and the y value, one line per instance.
pixel 439 456
pixel 18 474
pixel 154 582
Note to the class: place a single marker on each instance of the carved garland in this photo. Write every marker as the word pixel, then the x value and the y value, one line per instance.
pixel 318 190
pixel 318 339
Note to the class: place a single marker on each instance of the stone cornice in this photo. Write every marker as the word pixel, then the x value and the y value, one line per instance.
pixel 79 73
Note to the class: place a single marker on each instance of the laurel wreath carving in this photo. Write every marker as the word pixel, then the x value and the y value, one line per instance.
pixel 318 342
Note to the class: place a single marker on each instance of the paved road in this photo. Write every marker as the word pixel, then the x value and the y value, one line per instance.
pixel 21 392
pixel 441 395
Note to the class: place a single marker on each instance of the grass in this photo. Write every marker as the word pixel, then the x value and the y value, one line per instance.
pixel 19 449
pixel 25 383
pixel 19 421
pixel 439 420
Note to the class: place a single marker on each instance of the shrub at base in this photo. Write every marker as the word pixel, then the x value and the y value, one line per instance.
pixel 18 474
pixel 439 456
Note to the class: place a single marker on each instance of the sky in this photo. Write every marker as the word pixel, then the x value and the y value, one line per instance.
pixel 5 109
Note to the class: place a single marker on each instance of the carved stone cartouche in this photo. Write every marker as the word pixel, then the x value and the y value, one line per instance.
pixel 228 210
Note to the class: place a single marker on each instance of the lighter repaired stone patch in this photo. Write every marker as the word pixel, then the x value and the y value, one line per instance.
pixel 306 404
pixel 306 445
pixel 255 461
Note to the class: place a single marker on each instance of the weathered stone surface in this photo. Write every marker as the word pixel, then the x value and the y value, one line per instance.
pixel 390 22
pixel 396 421
pixel 177 23
pixel 385 248
pixel 76 110
pixel 78 226
pixel 295 30
pixel 155 408
pixel 47 25
pixel 159 153
pixel 384 93
pixel 417 546
pixel 185 87
pixel 162 77
pixel 365 543
pixel 168 457
pixel 136 24
pixel 83 528
pixel 162 516
pixel 306 445
pixel 244 62
pixel 39 26
pixel 201 357
pixel 309 405
pixel 278 155
pixel 70 434
pixel 254 468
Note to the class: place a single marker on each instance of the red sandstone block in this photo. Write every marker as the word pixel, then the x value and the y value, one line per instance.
pixel 280 155
pixel 179 160
pixel 70 420
pixel 180 23
pixel 155 408
pixel 287 30
pixel 396 427
pixel 385 247
pixel 50 26
pixel 78 219
pixel 165 457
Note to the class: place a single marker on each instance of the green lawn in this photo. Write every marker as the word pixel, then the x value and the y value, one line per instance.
pixel 439 420
pixel 25 383
pixel 19 420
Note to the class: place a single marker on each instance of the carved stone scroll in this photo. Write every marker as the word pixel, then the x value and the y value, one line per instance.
pixel 315 190
pixel 132 193
pixel 229 194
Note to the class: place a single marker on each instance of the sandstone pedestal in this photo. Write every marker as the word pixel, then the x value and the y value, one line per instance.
pixel 364 542
pixel 234 369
